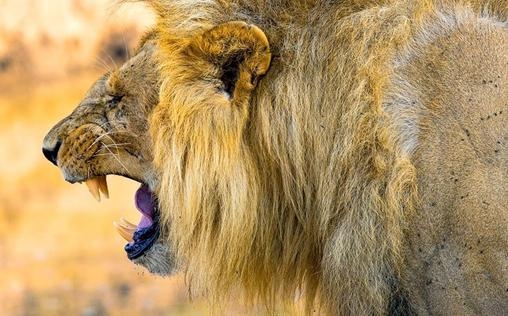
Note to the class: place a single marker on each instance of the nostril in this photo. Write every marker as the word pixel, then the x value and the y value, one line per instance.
pixel 51 153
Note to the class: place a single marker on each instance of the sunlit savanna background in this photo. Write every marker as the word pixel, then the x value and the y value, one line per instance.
pixel 59 253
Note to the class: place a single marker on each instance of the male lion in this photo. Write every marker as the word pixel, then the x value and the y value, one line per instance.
pixel 352 152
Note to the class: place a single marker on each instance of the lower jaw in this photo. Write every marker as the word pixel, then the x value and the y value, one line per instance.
pixel 147 231
pixel 143 239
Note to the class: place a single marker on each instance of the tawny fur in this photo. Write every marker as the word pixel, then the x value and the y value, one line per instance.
pixel 313 177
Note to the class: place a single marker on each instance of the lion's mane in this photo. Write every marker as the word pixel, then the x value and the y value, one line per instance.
pixel 309 187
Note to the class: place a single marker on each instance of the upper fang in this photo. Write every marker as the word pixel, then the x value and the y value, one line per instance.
pixel 98 185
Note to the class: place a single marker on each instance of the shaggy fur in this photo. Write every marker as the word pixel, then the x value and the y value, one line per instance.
pixel 312 186
pixel 304 190
pixel 294 152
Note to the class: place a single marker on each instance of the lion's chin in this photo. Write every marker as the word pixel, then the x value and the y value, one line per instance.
pixel 159 259
pixel 144 247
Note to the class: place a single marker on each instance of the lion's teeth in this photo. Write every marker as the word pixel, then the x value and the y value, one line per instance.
pixel 125 223
pixel 103 186
pixel 93 187
pixel 125 232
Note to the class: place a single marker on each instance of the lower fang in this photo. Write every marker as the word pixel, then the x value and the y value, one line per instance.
pixel 125 232
pixel 125 223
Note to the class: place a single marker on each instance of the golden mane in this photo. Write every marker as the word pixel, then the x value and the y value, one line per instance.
pixel 303 186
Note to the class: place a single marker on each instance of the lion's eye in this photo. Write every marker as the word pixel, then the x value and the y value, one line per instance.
pixel 113 100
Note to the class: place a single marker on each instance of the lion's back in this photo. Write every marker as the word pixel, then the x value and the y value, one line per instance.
pixel 457 240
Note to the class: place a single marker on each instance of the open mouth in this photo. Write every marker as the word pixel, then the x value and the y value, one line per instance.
pixel 142 236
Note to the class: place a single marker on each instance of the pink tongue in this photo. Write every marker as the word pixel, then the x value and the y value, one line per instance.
pixel 145 204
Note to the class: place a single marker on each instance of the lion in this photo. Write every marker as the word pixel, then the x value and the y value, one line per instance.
pixel 349 154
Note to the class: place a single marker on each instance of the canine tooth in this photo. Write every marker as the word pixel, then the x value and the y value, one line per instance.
pixel 93 187
pixel 125 223
pixel 103 186
pixel 126 233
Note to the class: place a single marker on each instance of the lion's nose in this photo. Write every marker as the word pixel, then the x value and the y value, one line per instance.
pixel 51 151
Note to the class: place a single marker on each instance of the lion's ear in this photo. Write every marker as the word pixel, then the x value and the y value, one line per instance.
pixel 237 55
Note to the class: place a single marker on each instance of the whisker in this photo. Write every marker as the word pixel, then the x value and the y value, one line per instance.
pixel 102 154
pixel 117 144
pixel 114 144
pixel 118 160
pixel 126 47
pixel 112 59
pixel 98 152
pixel 101 62
pixel 102 136
pixel 107 134
pixel 100 66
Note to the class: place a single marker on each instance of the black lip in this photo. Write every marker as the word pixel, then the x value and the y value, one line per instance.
pixel 143 239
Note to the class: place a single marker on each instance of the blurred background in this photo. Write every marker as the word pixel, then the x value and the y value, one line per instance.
pixel 59 253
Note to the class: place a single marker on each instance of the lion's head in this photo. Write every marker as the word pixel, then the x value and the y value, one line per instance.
pixel 108 134
pixel 109 131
